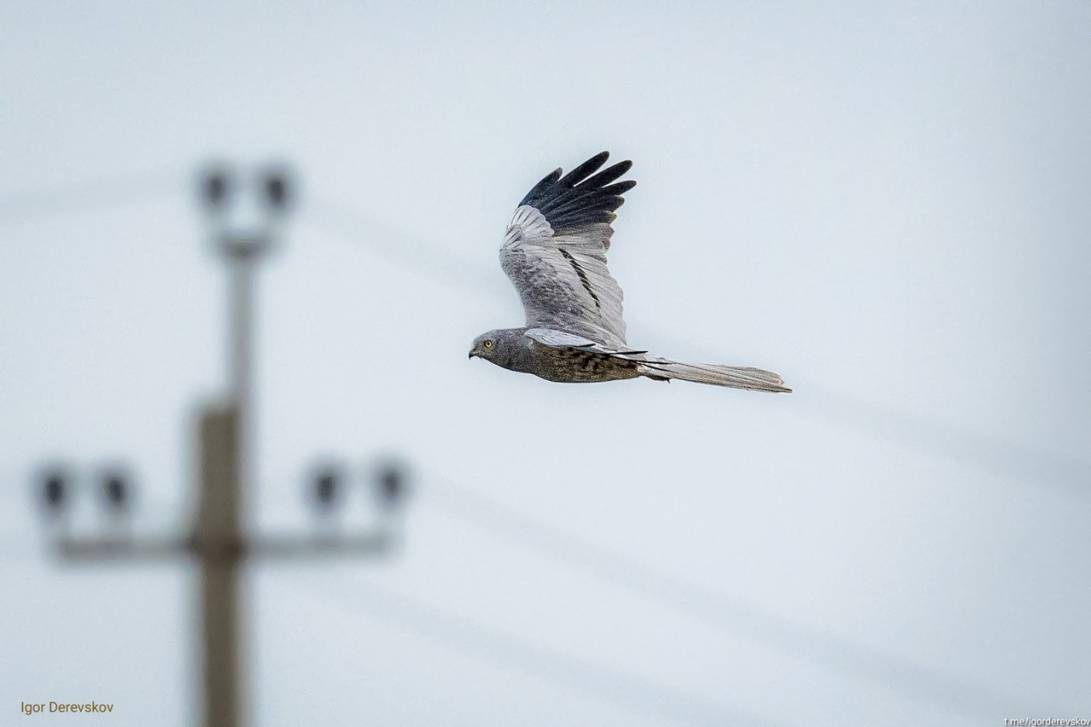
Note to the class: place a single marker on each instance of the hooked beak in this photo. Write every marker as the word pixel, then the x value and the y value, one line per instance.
pixel 472 354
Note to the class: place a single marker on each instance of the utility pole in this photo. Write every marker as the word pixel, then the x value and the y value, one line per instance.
pixel 223 440
pixel 218 539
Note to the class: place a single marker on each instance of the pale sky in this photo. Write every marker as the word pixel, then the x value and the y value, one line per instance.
pixel 886 203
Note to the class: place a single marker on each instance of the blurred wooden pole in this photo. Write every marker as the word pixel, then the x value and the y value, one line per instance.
pixel 218 546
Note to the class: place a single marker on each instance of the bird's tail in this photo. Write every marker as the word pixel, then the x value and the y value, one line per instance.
pixel 734 376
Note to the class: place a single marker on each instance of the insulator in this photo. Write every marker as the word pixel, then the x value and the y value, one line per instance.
pixel 391 484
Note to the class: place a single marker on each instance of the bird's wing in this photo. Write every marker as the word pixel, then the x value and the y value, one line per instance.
pixel 555 247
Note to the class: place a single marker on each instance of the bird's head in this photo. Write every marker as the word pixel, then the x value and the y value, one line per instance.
pixel 494 346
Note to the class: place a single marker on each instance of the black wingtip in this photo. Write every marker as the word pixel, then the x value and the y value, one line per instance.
pixel 588 194
pixel 609 175
pixel 584 170
pixel 620 188
pixel 623 166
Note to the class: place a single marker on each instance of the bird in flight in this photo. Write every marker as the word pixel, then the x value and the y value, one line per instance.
pixel 554 252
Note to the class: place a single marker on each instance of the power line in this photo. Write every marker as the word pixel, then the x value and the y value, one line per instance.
pixel 805 643
pixel 91 196
pixel 629 691
pixel 1014 461
pixel 407 251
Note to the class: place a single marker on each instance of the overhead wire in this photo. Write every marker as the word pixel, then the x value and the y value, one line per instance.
pixel 93 195
pixel 637 694
pixel 833 652
pixel 807 644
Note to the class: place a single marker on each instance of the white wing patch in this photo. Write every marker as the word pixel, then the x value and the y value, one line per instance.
pixel 550 337
pixel 562 339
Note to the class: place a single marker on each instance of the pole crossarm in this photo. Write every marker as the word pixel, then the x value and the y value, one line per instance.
pixel 295 547
pixel 121 548
pixel 262 546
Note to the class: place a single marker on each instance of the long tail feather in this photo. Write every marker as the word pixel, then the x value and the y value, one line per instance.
pixel 735 377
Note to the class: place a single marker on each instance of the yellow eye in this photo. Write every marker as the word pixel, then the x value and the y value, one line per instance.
pixel 487 343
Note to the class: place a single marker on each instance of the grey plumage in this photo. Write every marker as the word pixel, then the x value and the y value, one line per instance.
pixel 554 252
